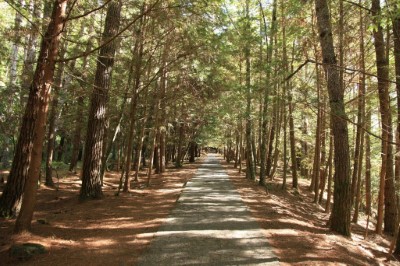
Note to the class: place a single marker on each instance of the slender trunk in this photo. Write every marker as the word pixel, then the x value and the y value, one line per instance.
pixel 368 188
pixel 360 125
pixel 13 65
pixel 323 172
pixel 178 160
pixel 138 55
pixel 30 58
pixel 163 105
pixel 317 153
pixel 76 141
pixel 58 84
pixel 237 151
pixel 292 137
pixel 240 146
pixel 79 122
pixel 250 166
pixel 152 138
pixel 329 167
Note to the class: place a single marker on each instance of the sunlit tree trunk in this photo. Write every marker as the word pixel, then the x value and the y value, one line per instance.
pixel 36 110
pixel 91 168
pixel 36 107
pixel 340 216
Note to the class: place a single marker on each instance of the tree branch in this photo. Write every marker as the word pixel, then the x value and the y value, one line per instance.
pixel 106 42
pixel 89 12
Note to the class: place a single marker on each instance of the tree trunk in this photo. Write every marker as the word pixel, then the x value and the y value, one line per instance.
pixel 52 120
pixel 36 110
pixel 317 150
pixel 329 169
pixel 340 216
pixel 76 141
pixel 359 150
pixel 250 166
pixel 387 207
pixel 396 40
pixel 368 196
pixel 30 58
pixel 178 160
pixel 12 194
pixel 138 54
pixel 139 151
pixel 91 180
pixel 292 137
pixel 264 130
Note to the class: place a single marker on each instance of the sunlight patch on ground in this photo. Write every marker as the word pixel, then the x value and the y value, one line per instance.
pixel 96 243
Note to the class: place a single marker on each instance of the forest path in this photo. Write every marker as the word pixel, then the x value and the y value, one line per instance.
pixel 209 226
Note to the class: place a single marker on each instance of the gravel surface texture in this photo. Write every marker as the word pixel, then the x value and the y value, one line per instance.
pixel 209 226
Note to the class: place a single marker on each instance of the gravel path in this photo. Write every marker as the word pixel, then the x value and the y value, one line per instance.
pixel 209 226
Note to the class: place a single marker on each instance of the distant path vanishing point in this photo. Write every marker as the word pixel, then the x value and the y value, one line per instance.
pixel 209 226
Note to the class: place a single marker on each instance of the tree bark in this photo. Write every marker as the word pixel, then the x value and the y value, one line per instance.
pixel 317 150
pixel 396 40
pixel 340 216
pixel 138 54
pixel 59 78
pixel 77 135
pixel 36 110
pixel 91 179
pixel 387 207
pixel 359 150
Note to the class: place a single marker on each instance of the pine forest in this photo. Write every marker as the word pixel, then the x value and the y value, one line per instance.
pixel 200 132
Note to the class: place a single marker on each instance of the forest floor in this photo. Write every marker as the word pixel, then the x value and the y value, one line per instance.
pixel 112 231
pixel 117 229
pixel 297 228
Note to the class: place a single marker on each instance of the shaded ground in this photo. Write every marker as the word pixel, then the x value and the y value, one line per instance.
pixel 111 231
pixel 296 228
pixel 117 230
pixel 209 226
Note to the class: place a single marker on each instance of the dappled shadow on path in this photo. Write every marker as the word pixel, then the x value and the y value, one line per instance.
pixel 209 226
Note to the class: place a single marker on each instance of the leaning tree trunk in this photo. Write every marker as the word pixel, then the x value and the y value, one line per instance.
pixel 340 217
pixel 12 194
pixel 91 169
pixel 36 110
